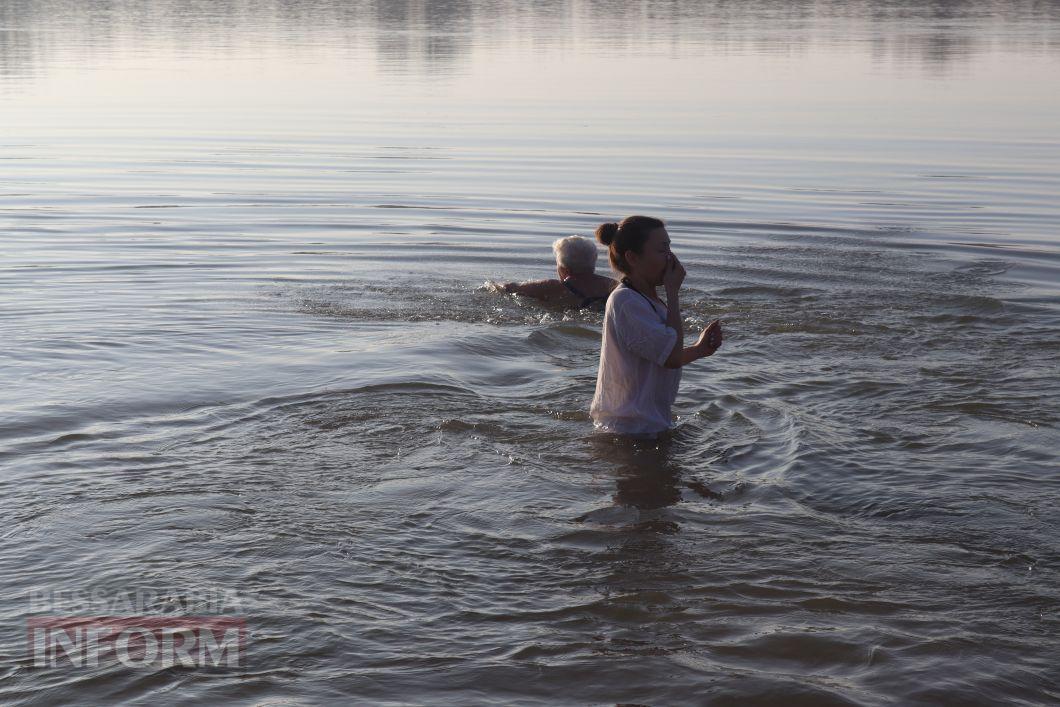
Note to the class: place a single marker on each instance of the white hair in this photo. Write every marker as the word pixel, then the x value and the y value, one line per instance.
pixel 576 253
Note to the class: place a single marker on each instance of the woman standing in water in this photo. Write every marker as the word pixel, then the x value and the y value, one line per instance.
pixel 643 342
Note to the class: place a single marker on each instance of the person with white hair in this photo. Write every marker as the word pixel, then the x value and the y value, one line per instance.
pixel 578 284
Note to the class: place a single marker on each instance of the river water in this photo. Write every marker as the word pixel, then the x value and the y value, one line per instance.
pixel 248 350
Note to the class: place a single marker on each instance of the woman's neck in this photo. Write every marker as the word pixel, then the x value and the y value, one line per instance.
pixel 640 284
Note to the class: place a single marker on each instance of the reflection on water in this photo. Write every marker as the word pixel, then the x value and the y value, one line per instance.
pixel 648 475
pixel 248 349
pixel 436 38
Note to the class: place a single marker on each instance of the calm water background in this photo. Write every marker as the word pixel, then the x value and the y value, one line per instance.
pixel 247 348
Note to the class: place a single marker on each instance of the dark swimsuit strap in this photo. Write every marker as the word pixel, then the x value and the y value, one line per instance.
pixel 627 283
pixel 585 301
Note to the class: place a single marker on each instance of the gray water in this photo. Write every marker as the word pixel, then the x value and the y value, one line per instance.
pixel 248 348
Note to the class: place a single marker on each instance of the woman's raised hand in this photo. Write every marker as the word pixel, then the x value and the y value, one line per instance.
pixel 710 339
pixel 674 275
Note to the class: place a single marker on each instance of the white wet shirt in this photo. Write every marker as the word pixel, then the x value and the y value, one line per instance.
pixel 634 391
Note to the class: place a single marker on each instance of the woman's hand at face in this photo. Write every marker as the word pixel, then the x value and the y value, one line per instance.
pixel 674 274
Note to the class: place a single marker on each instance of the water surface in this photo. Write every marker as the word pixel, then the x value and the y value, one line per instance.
pixel 247 346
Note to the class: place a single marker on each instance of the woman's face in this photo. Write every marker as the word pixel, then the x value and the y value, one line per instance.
pixel 653 259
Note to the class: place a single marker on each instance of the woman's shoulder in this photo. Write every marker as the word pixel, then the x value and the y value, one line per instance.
pixel 629 300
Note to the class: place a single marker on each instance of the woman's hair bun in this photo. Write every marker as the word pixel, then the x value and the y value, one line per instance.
pixel 606 232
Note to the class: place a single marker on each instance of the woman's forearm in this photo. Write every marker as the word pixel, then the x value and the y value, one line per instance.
pixel 676 359
pixel 692 353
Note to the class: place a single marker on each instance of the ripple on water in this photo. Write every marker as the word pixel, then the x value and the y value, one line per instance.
pixel 832 514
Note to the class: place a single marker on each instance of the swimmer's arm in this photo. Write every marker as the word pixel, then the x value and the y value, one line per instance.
pixel 538 289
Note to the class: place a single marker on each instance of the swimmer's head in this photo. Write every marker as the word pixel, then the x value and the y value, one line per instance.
pixel 575 254
pixel 628 236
